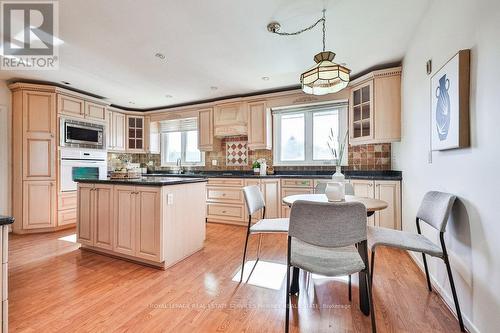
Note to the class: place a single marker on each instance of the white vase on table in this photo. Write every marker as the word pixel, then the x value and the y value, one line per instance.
pixel 338 176
pixel 335 191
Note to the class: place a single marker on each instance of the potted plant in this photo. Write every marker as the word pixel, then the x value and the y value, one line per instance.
pixel 337 149
pixel 256 167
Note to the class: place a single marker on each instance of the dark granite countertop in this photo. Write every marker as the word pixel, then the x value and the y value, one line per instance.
pixel 369 175
pixel 162 180
pixel 6 220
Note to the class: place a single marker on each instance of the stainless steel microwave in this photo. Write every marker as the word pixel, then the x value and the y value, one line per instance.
pixel 80 134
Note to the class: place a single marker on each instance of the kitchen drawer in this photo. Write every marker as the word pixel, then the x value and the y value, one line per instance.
pixel 296 183
pixel 67 200
pixel 65 217
pixel 226 212
pixel 225 195
pixel 226 181
pixel 285 192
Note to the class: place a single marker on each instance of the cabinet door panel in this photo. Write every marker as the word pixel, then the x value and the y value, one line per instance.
pixel 85 218
pixel 119 131
pixel 39 131
pixel 271 192
pixel 364 188
pixel 95 111
pixel 148 223
pixel 388 191
pixel 205 130
pixel 103 236
pixel 109 131
pixel 70 106
pixel 259 126
pixel 39 204
pixel 124 225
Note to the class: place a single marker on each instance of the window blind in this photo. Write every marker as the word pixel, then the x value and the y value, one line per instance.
pixel 179 125
pixel 310 108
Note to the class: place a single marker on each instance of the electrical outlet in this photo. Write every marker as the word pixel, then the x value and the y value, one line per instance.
pixel 170 199
pixel 214 162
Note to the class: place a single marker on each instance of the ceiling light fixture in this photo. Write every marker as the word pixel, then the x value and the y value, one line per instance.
pixel 325 77
pixel 213 88
pixel 65 82
pixel 169 96
pixel 265 78
pixel 160 55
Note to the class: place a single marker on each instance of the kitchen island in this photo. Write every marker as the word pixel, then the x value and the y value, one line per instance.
pixel 157 221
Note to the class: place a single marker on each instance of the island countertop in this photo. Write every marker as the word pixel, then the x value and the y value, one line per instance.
pixel 6 220
pixel 148 181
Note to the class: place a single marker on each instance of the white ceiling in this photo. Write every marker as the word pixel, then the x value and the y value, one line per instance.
pixel 109 46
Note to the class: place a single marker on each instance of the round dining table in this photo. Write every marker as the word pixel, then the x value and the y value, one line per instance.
pixel 372 205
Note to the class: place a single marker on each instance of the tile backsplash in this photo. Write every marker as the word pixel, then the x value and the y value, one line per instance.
pixel 361 157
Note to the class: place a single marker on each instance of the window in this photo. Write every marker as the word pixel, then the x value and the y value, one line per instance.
pixel 179 140
pixel 301 134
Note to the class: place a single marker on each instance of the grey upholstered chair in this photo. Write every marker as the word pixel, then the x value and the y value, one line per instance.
pixel 321 188
pixel 349 190
pixel 322 239
pixel 255 202
pixel 434 210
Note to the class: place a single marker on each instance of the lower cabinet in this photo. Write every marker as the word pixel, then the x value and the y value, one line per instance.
pixel 39 204
pixel 386 190
pixel 95 215
pixel 271 191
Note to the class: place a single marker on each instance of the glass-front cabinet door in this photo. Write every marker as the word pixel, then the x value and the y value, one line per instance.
pixel 135 133
pixel 361 113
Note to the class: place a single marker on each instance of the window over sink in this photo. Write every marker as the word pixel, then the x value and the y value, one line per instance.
pixel 301 133
pixel 179 142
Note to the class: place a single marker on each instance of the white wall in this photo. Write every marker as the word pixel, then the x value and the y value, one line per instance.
pixel 473 234
pixel 5 128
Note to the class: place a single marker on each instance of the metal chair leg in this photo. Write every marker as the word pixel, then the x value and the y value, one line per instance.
pixel 287 294
pixel 350 289
pixel 370 299
pixel 372 266
pixel 427 272
pixel 244 257
pixel 454 292
pixel 260 245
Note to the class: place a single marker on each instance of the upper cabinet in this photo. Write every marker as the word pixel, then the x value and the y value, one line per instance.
pixel 375 107
pixel 80 108
pixel 206 140
pixel 259 126
pixel 116 131
pixel 153 144
pixel 95 111
pixel 230 119
pixel 70 106
pixel 135 133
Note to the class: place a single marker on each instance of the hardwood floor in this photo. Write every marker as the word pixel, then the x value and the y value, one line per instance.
pixel 55 287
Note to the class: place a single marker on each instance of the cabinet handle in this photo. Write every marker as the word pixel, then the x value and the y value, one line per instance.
pixel 224 212
pixel 370 184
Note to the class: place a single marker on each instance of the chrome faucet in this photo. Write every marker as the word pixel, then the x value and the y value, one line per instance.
pixel 178 163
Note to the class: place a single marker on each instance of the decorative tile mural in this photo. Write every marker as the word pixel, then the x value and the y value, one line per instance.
pixel 236 153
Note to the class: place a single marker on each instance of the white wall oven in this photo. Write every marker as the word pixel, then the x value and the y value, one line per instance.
pixel 81 134
pixel 81 163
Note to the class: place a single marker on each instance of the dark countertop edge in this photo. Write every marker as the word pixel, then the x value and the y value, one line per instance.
pixel 5 220
pixel 142 182
pixel 347 176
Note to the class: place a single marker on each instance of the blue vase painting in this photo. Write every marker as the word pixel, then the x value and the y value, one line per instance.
pixel 443 110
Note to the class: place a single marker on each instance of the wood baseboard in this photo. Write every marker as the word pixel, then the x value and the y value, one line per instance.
pixel 42 230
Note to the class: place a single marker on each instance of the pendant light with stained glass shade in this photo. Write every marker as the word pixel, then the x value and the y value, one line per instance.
pixel 326 76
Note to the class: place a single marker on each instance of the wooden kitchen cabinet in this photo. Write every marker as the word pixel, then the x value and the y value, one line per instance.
pixel 39 133
pixel 271 192
pixel 259 126
pixel 95 111
pixel 70 106
pixel 390 192
pixel 135 134
pixel 95 215
pixel 147 221
pixel 375 107
pixel 206 139
pixel 39 204
pixel 364 188
pixel 386 190
pixel 103 216
pixel 153 143
pixel 230 119
pixel 294 186
pixel 124 220
pixel 116 131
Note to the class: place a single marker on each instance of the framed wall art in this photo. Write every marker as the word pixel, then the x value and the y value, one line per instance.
pixel 450 104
